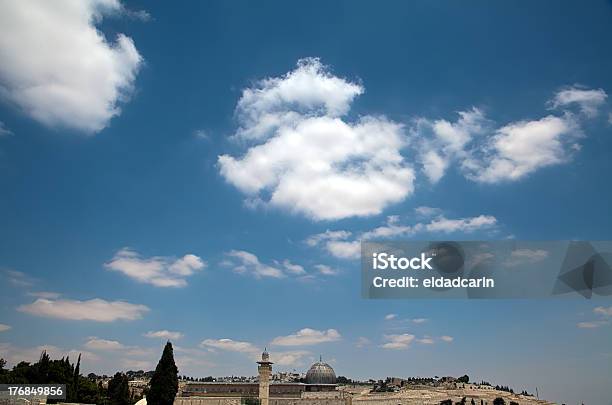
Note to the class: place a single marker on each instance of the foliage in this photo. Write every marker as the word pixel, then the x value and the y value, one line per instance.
pixel 464 379
pixel 250 401
pixel 47 371
pixel 119 390
pixel 164 383
pixel 343 380
pixel 499 401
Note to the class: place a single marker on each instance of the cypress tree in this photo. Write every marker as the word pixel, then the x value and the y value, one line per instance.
pixel 77 372
pixel 164 383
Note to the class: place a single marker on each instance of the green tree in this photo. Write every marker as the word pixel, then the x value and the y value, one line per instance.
pixel 499 401
pixel 164 383
pixel 119 390
pixel 464 379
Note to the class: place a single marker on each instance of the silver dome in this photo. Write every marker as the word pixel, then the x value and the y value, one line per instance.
pixel 321 373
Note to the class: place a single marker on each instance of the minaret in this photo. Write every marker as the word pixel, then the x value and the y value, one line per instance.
pixel 265 370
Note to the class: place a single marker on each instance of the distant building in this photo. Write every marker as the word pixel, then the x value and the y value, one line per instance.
pixel 320 378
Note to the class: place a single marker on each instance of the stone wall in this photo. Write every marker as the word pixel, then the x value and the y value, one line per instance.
pixel 273 401
pixel 310 401
pixel 206 401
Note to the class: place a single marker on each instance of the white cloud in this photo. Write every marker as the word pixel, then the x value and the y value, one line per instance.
pixel 244 262
pixel 426 341
pixel 522 147
pixel 339 244
pixel 157 271
pixel 4 130
pixel 4 327
pixel 314 240
pixel 391 229
pixel 59 68
pixel 440 142
pixel 591 324
pixel 389 317
pixel 326 270
pixel 605 311
pixel 164 334
pixel 344 249
pixel 201 134
pixel 488 153
pixel 427 212
pixel 398 342
pixel 97 344
pixel 307 336
pixel 442 224
pixel 362 342
pixel 588 100
pixel 419 320
pixel 141 15
pixel 97 309
pixel 44 294
pixel 310 88
pixel 18 278
pixel 289 358
pixel 447 339
pixel 230 345
pixel 293 268
pixel 525 256
pixel 304 157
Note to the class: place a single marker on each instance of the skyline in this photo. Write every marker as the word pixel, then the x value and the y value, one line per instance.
pixel 209 179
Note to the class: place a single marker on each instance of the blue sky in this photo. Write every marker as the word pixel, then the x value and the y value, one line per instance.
pixel 175 169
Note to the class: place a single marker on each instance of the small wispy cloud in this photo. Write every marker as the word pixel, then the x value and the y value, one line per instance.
pixel 362 342
pixel 243 262
pixel 588 100
pixel 201 134
pixel 164 334
pixel 525 256
pixel 4 131
pixel 347 245
pixel 398 342
pixel 326 270
pixel 591 324
pixel 18 278
pixel 426 340
pixel 44 294
pixel 230 345
pixel 605 311
pixel 158 271
pixel 307 336
pixel 94 343
pixel 96 309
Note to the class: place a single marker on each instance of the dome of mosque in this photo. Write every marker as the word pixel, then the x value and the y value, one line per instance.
pixel 320 373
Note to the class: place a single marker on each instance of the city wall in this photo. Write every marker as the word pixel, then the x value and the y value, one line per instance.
pixel 206 401
pixel 273 401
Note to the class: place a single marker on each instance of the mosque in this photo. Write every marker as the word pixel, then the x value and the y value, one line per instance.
pixel 320 379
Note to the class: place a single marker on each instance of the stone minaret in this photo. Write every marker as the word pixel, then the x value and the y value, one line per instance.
pixel 265 370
